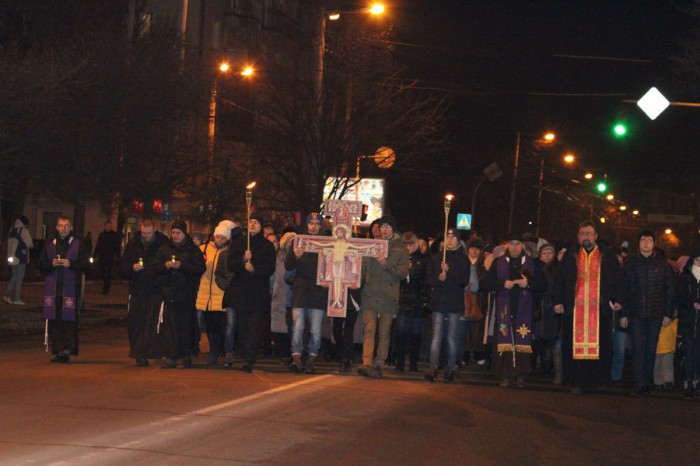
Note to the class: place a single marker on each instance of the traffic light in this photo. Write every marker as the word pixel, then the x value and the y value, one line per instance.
pixel 620 129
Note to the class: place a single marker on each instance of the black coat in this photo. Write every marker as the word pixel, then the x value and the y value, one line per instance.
pixel 107 247
pixel 448 296
pixel 414 293
pixel 180 285
pixel 687 294
pixel 251 291
pixel 144 282
pixel 305 292
pixel 649 287
pixel 611 281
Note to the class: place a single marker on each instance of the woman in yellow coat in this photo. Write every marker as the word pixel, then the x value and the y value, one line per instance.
pixel 212 287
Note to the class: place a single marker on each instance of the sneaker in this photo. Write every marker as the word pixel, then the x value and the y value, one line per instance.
pixel 19 302
pixel 8 300
pixel 431 376
pixel 365 371
pixel 61 358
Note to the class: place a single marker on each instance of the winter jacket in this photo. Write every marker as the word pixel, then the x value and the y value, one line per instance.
pixel 251 290
pixel 305 292
pixel 21 231
pixel 210 295
pixel 448 296
pixel 415 293
pixel 144 282
pixel 382 281
pixel 180 285
pixel 649 288
pixel 688 293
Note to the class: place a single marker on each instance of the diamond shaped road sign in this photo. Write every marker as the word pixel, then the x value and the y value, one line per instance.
pixel 464 221
pixel 653 103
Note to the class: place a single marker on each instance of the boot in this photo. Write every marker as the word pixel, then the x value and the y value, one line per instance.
pixel 558 368
pixel 400 358
pixel 413 355
pixel 295 365
pixel 310 364
pixel 688 390
pixel 431 375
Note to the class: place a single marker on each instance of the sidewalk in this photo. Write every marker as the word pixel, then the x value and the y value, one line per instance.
pixel 98 309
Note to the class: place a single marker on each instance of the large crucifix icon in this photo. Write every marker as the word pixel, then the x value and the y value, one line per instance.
pixel 340 256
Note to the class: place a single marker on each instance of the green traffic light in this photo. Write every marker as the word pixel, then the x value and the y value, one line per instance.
pixel 620 130
pixel 602 187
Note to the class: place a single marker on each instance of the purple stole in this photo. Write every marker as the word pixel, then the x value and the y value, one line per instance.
pixel 522 338
pixel 70 303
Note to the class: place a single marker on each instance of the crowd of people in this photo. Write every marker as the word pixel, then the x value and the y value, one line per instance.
pixel 522 305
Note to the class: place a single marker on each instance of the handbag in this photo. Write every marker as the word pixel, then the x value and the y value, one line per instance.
pixel 472 312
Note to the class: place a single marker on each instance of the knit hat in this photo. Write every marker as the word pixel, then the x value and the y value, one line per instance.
pixel 514 237
pixel 475 242
pixel 258 217
pixel 314 216
pixel 546 246
pixel 388 220
pixel 222 231
pixel 180 225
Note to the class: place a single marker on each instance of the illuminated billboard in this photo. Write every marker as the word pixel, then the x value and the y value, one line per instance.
pixel 371 193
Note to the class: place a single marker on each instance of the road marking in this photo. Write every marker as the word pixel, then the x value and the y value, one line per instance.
pixel 245 399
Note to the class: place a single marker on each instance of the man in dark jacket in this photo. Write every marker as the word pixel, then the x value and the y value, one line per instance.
pixel 250 288
pixel 144 292
pixel 649 286
pixel 688 305
pixel 179 265
pixel 106 252
pixel 447 280
pixel 309 300
pixel 63 261
pixel 588 288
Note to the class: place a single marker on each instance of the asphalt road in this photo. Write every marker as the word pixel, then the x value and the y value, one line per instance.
pixel 101 409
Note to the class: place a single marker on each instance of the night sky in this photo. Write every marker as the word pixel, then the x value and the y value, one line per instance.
pixel 564 66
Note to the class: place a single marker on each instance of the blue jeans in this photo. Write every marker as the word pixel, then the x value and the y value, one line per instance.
pixel 16 281
pixel 445 325
pixel 230 330
pixel 315 317
pixel 619 343
pixel 645 336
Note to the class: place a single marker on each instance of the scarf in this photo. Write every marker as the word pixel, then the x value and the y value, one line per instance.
pixel 68 293
pixel 587 305
pixel 513 332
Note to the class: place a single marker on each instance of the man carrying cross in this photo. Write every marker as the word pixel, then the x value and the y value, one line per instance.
pixel 380 297
pixel 308 299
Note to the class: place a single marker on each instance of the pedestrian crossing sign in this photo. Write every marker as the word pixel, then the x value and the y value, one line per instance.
pixel 464 221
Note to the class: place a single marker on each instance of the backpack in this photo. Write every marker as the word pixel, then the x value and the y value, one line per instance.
pixel 21 253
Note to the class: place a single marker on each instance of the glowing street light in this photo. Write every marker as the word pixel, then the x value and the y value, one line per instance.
pixel 334 16
pixel 635 212
pixel 376 9
pixel 224 67
pixel 609 197
pixel 588 176
pixel 569 158
pixel 248 71
pixel 623 208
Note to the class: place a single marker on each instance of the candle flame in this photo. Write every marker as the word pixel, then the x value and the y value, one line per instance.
pixel 449 197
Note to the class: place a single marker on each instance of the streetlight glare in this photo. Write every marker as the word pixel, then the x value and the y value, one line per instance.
pixel 623 208
pixel 224 67
pixel 569 158
pixel 247 71
pixel 550 137
pixel 334 16
pixel 588 176
pixel 377 9
pixel 609 197
pixel 635 212
pixel 602 220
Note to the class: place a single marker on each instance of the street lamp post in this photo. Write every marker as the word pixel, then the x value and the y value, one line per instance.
pixel 512 188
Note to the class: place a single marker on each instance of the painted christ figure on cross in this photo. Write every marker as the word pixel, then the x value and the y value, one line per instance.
pixel 340 256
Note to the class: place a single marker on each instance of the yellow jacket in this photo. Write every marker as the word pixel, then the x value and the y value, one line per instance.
pixel 210 297
pixel 667 338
